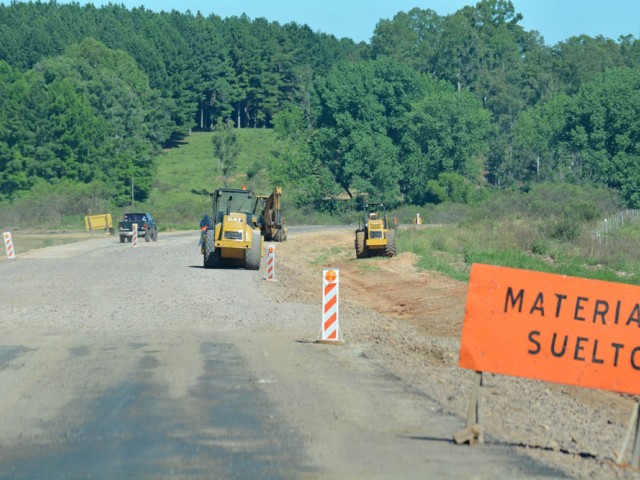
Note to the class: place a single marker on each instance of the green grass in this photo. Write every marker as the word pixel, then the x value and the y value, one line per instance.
pixel 328 254
pixel 191 166
pixel 452 249
pixel 370 265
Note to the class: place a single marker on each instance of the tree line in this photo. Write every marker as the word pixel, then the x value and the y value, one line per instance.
pixel 433 108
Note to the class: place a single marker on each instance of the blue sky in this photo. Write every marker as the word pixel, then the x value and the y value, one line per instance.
pixel 556 20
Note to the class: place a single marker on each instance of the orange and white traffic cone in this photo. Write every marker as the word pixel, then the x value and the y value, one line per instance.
pixel 330 332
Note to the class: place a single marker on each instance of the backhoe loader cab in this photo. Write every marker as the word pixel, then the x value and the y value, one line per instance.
pixel 235 238
pixel 373 238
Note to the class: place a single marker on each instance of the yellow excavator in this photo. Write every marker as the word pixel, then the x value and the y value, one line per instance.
pixel 373 237
pixel 271 220
pixel 234 238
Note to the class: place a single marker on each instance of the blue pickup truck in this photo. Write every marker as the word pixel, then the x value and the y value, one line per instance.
pixel 147 227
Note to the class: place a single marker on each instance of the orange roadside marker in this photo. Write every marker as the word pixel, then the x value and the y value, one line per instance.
pixel 271 262
pixel 8 245
pixel 330 330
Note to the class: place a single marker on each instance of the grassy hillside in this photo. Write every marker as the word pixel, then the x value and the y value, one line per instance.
pixel 191 166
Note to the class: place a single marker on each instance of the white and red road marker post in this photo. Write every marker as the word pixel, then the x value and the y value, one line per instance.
pixel 8 245
pixel 330 331
pixel 271 262
pixel 134 235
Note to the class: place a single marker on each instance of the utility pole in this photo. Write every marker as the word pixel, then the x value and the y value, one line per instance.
pixel 132 192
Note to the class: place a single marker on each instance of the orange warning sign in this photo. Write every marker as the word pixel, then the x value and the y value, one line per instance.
pixel 552 327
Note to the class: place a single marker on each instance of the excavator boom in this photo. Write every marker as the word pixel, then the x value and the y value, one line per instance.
pixel 272 222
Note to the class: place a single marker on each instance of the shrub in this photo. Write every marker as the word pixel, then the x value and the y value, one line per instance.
pixel 254 169
pixel 565 229
pixel 584 211
pixel 540 246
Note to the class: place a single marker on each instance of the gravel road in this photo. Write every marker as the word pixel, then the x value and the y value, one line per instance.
pixel 122 362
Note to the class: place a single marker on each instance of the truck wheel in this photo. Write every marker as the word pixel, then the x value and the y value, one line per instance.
pixel 252 256
pixel 211 254
pixel 147 236
pixel 122 238
pixel 155 236
pixel 359 244
pixel 390 247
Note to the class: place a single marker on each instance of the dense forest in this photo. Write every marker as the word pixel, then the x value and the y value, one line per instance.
pixel 434 108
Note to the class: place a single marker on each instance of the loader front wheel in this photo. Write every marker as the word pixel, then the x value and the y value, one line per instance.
pixel 390 248
pixel 359 244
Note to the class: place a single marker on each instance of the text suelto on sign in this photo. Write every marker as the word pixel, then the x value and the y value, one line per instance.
pixel 551 327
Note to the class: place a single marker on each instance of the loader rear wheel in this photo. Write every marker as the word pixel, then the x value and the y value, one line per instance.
pixel 252 256
pixel 211 254
pixel 359 244
pixel 390 248
pixel 279 236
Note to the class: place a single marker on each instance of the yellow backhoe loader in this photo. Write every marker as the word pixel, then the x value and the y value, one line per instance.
pixel 271 220
pixel 234 238
pixel 373 238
